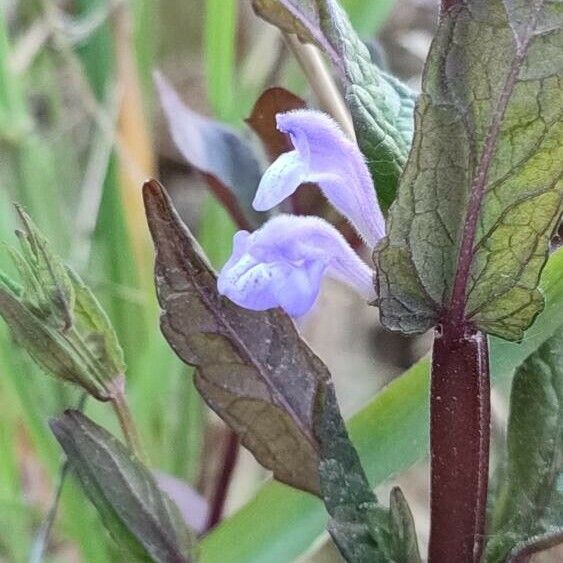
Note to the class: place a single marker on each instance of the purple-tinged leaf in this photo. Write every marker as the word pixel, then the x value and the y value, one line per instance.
pixel 253 369
pixel 482 192
pixel 226 159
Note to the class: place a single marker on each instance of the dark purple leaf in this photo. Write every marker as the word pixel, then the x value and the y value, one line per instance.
pixel 253 369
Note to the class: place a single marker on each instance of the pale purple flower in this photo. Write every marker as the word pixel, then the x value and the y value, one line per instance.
pixel 282 264
pixel 325 156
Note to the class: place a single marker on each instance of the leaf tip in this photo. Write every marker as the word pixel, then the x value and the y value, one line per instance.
pixel 152 188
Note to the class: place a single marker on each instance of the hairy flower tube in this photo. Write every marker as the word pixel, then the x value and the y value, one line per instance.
pixel 283 263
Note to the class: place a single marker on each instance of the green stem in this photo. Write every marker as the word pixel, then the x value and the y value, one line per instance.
pixel 126 422
pixel 42 538
pixel 321 82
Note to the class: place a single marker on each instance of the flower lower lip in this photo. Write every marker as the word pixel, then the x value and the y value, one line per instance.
pixel 283 264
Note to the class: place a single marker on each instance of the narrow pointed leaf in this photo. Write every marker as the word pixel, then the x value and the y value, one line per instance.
pixel 344 487
pixel 252 367
pixel 402 530
pixel 482 191
pixel 95 328
pixel 43 275
pixel 381 107
pixel 226 159
pixel 529 500
pixel 57 319
pixel 139 516
pixel 47 347
pixel 10 285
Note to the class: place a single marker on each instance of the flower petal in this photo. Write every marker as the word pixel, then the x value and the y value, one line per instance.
pixel 283 264
pixel 325 156
pixel 280 180
pixel 301 289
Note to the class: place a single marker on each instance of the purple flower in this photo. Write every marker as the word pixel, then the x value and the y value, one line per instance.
pixel 325 156
pixel 282 264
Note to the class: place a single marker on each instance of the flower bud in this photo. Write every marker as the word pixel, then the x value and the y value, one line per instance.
pixel 57 319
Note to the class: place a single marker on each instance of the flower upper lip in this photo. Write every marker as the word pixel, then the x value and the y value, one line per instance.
pixel 323 155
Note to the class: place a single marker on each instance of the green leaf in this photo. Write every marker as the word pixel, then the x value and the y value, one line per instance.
pixel 95 328
pixel 529 501
pixel 402 531
pixel 45 280
pixel 345 488
pixel 264 388
pixel 481 193
pixel 381 107
pixel 10 285
pixel 363 530
pixel 390 434
pixel 48 348
pixel 139 516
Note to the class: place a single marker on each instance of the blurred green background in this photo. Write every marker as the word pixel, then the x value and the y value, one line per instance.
pixel 80 129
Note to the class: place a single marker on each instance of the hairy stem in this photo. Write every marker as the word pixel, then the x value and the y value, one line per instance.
pixel 459 444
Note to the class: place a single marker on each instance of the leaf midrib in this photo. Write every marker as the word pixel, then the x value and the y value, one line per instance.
pixel 153 518
pixel 457 312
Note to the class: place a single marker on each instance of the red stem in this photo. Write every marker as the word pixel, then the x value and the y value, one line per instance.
pixel 447 4
pixel 224 480
pixel 459 444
